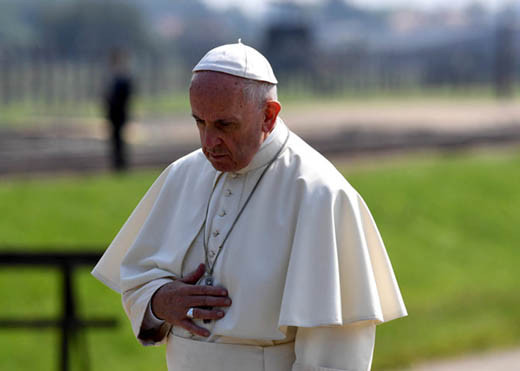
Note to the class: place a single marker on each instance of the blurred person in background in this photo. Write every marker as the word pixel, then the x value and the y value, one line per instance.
pixel 117 104
pixel 253 252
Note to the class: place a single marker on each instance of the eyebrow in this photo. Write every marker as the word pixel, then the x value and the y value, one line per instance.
pixel 230 119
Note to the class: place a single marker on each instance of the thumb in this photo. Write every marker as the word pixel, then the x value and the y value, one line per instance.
pixel 194 275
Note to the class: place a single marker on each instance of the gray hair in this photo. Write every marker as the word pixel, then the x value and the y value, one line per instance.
pixel 259 91
pixel 256 91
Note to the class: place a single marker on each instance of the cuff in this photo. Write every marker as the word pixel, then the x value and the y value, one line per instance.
pixel 150 318
pixel 137 306
pixel 300 367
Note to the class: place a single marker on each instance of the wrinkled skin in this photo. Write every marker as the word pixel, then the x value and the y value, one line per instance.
pixel 231 128
pixel 172 301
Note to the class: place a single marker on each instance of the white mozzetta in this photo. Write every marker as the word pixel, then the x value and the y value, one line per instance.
pixel 305 252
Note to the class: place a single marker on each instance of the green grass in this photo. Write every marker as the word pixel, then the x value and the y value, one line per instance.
pixel 76 213
pixel 450 227
pixel 449 223
pixel 389 96
pixel 84 211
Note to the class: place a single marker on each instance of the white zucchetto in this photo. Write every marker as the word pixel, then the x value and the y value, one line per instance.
pixel 238 60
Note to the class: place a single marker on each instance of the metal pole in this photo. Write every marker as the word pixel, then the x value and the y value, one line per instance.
pixel 67 326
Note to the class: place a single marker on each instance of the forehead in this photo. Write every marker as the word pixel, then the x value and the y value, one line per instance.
pixel 215 83
pixel 216 93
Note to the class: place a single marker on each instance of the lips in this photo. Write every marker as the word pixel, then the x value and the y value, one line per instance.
pixel 216 156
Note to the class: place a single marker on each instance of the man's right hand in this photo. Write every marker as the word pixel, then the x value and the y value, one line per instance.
pixel 172 301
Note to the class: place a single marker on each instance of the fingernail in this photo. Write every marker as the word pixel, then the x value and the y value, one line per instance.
pixel 220 314
pixel 206 334
pixel 223 292
pixel 228 302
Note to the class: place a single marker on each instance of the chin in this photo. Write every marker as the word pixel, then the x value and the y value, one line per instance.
pixel 224 166
pixel 220 167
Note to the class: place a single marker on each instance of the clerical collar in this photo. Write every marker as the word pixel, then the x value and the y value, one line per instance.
pixel 270 146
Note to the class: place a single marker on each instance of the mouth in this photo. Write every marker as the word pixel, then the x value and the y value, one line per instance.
pixel 216 156
pixel 220 161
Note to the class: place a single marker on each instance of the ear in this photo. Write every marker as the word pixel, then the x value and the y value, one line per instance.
pixel 271 110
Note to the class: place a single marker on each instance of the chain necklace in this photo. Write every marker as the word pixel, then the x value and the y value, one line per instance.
pixel 208 277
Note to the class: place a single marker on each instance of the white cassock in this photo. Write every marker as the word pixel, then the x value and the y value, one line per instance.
pixel 305 265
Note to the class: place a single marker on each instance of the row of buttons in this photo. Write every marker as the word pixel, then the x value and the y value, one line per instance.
pixel 222 213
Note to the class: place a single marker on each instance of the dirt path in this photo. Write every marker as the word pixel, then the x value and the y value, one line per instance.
pixel 328 119
pixel 506 360
pixel 339 129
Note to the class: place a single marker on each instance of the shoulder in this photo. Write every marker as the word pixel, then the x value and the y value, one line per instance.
pixel 192 163
pixel 187 172
pixel 312 171
pixel 187 176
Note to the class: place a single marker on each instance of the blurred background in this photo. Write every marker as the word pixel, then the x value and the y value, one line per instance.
pixel 416 102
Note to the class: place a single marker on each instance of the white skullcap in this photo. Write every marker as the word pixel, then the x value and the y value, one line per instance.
pixel 239 60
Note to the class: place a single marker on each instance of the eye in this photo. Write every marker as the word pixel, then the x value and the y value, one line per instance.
pixel 199 122
pixel 225 124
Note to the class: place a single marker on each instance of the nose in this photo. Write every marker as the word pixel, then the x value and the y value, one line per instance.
pixel 210 137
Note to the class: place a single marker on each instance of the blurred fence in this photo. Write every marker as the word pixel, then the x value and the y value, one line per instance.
pixel 69 322
pixel 45 82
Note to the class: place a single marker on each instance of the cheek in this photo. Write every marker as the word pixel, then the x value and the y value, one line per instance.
pixel 250 144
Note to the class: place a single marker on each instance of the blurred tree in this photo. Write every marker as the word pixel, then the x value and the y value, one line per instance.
pixel 198 27
pixel 341 10
pixel 94 26
pixel 14 28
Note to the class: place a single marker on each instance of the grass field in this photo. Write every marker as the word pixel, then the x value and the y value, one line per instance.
pixel 449 223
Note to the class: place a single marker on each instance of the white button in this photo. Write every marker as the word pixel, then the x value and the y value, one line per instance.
pixel 234 175
pixel 211 253
pixel 228 192
pixel 222 213
pixel 216 233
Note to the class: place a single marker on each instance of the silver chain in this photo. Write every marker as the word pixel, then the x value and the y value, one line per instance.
pixel 210 268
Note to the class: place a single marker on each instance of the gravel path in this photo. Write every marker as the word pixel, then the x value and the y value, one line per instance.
pixel 506 360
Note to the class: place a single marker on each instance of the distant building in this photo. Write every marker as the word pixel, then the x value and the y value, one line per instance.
pixel 288 46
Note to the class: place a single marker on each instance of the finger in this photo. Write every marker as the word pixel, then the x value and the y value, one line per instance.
pixel 203 290
pixel 200 313
pixel 194 275
pixel 193 328
pixel 207 301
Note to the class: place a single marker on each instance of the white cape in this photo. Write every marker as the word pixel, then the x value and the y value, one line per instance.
pixel 305 252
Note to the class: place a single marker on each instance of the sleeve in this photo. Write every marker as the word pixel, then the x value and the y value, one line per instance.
pixel 148 329
pixel 341 348
pixel 150 320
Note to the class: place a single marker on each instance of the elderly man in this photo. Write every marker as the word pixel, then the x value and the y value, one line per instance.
pixel 252 253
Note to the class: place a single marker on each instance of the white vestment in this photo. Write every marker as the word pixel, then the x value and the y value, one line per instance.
pixel 305 253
